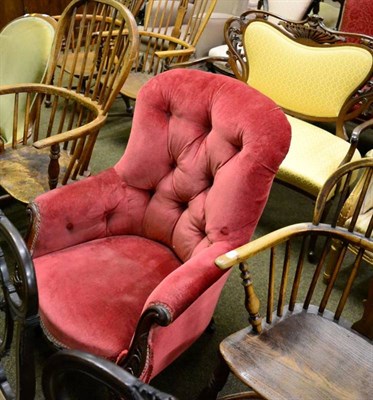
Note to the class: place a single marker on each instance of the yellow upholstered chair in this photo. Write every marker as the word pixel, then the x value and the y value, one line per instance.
pixel 25 46
pixel 170 33
pixel 290 9
pixel 314 76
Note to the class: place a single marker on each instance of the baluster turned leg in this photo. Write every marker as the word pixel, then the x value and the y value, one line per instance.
pixel 252 303
pixel 54 166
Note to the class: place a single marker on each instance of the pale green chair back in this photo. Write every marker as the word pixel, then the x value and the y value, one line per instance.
pixel 25 46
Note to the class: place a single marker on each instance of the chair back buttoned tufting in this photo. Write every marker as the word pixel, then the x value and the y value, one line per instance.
pixel 203 143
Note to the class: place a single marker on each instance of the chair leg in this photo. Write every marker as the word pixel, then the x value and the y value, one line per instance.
pixel 25 361
pixel 216 383
pixel 129 107
pixel 211 327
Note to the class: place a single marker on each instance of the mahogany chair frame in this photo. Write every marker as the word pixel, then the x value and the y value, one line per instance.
pixel 67 363
pixel 21 310
pixel 312 32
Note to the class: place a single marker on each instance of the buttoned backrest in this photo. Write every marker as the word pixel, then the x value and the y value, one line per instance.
pixel 202 155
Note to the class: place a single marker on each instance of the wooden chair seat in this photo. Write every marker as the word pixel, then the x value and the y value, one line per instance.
pixel 80 64
pixel 134 82
pixel 22 171
pixel 322 361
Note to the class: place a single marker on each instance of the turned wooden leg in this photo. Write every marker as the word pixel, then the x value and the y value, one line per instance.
pixel 54 166
pixel 216 383
pixel 127 102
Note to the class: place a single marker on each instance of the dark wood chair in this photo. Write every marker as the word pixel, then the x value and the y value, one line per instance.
pixel 65 369
pixel 303 348
pixel 68 129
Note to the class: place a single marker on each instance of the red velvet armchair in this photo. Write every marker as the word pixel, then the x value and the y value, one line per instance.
pixel 124 260
pixel 357 17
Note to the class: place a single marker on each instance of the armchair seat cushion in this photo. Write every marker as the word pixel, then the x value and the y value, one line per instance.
pixel 314 154
pixel 111 299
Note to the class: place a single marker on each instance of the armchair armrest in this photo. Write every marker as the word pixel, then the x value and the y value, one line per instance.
pixel 184 286
pixel 175 294
pixel 75 215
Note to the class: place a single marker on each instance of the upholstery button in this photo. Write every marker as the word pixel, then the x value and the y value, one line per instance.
pixel 224 230
pixel 69 226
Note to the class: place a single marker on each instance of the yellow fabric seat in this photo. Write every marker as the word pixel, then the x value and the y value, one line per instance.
pixel 313 155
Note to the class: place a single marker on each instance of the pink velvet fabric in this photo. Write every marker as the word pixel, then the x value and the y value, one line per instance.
pixel 191 185
pixel 121 284
pixel 357 17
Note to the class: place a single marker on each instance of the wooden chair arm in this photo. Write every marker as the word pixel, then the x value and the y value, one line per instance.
pixel 272 239
pixel 164 37
pixel 90 128
pixel 78 99
pixel 175 53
